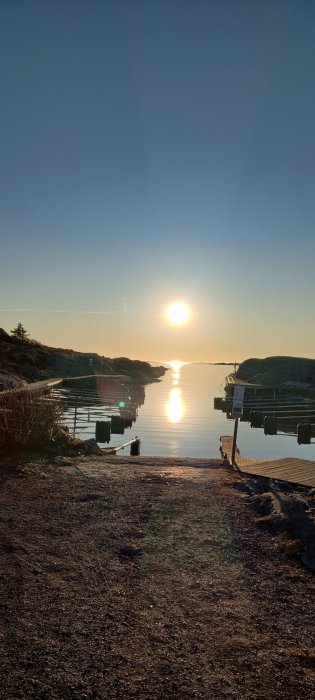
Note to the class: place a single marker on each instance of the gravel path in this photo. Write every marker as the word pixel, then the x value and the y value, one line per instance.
pixel 143 579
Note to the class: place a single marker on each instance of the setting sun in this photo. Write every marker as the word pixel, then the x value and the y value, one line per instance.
pixel 178 313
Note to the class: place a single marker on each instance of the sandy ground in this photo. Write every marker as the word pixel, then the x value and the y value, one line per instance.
pixel 146 578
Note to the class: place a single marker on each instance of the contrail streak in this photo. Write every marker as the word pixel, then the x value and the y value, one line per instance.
pixel 60 311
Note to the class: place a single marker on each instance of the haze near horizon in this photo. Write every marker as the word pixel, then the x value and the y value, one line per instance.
pixel 157 153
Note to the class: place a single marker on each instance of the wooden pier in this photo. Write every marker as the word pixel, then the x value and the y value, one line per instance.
pixel 41 385
pixel 291 469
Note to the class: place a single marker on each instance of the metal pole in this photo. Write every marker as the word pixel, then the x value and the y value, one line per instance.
pixel 234 440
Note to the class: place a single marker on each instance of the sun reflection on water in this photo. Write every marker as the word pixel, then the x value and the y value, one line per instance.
pixel 175 404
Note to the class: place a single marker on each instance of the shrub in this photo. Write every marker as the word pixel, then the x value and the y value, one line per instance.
pixel 27 419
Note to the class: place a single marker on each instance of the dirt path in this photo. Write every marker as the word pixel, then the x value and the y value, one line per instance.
pixel 146 579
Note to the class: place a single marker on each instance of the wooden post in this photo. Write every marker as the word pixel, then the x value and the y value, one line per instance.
pixel 75 415
pixel 234 440
pixel 135 446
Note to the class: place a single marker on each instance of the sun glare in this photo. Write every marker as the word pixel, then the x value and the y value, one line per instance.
pixel 178 313
pixel 175 406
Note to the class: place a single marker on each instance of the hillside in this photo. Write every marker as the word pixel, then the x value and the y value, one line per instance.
pixel 278 371
pixel 32 361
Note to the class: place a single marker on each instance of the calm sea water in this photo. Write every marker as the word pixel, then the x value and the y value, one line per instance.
pixel 178 419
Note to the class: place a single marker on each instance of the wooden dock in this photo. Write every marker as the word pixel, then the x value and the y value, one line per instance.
pixel 32 386
pixel 291 469
pixel 50 383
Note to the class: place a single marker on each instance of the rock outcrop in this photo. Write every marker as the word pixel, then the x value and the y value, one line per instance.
pixel 32 361
pixel 295 372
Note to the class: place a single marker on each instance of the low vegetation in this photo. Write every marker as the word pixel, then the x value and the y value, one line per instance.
pixel 27 419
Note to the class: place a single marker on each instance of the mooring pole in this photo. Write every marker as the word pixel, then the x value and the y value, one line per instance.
pixel 234 440
pixel 75 415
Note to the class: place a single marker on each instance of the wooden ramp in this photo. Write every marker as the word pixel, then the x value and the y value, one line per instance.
pixel 297 471
pixel 226 448
pixel 292 469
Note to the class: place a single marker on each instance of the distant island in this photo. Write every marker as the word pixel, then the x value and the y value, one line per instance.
pixel 225 363
pixel 28 360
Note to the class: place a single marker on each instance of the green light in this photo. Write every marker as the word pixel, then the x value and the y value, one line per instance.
pixel 121 404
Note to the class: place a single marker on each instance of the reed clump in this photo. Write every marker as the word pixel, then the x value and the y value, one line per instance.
pixel 27 419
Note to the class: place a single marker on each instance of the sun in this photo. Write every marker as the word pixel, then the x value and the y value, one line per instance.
pixel 178 313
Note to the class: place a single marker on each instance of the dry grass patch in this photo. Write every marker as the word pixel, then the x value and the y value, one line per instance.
pixel 27 419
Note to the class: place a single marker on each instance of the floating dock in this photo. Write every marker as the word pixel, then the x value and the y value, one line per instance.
pixel 291 469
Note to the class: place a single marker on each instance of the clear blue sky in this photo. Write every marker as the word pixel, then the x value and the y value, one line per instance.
pixel 155 150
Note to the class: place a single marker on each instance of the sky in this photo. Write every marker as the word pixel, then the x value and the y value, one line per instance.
pixel 154 151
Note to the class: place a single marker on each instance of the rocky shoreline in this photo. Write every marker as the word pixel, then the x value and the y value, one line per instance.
pixel 31 361
pixel 279 371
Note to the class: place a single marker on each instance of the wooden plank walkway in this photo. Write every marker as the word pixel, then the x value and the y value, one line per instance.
pixel 49 383
pixel 226 448
pixel 292 469
pixel 295 470
pixel 32 386
pixel 231 379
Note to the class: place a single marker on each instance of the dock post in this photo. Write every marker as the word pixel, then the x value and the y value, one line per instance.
pixel 234 440
pixel 75 415
pixel 135 446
